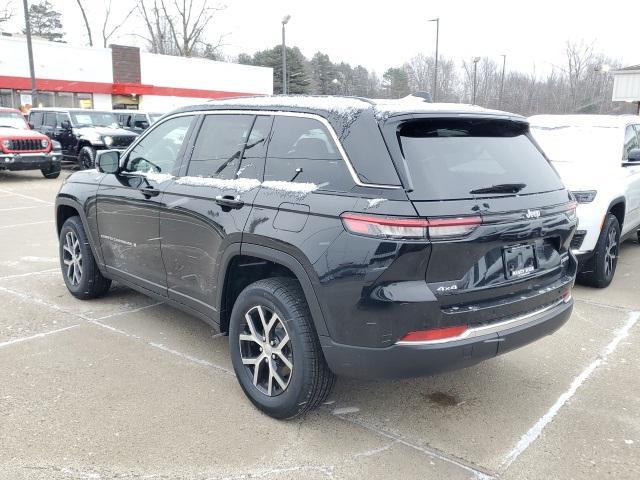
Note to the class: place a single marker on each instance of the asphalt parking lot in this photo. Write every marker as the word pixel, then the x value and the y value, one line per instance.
pixel 123 387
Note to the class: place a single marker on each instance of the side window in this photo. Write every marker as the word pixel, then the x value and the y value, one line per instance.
pixel 61 117
pixel 159 151
pixel 219 145
pixel 140 121
pixel 301 150
pixel 36 119
pixel 630 141
pixel 50 119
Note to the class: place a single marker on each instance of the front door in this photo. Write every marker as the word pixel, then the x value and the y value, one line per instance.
pixel 632 174
pixel 205 210
pixel 128 204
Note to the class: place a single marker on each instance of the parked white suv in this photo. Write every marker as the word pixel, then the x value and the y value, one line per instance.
pixel 598 158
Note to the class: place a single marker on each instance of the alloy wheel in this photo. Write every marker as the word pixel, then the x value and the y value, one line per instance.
pixel 265 350
pixel 72 258
pixel 610 252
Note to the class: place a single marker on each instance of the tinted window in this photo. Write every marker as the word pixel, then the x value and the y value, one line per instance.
pixel 50 119
pixel 630 141
pixel 36 119
pixel 61 117
pixel 301 150
pixel 159 151
pixel 448 158
pixel 219 145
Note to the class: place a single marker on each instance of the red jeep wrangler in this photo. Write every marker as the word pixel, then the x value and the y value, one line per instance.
pixel 24 149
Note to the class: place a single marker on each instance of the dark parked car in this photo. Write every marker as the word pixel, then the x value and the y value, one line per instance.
pixel 24 149
pixel 81 132
pixel 135 120
pixel 331 236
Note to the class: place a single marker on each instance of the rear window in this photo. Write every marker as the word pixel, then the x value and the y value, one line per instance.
pixel 450 158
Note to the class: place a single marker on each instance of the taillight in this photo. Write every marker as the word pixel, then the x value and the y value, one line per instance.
pixel 433 334
pixel 452 227
pixel 403 227
pixel 386 227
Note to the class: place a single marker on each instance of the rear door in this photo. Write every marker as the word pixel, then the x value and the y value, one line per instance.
pixel 205 209
pixel 489 170
pixel 632 176
pixel 129 204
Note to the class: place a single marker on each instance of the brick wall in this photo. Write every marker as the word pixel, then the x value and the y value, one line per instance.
pixel 126 64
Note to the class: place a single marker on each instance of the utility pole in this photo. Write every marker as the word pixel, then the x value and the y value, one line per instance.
pixel 34 93
pixel 285 20
pixel 435 67
pixel 504 63
pixel 475 70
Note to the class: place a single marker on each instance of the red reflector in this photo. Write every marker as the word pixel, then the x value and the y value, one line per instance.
pixel 434 334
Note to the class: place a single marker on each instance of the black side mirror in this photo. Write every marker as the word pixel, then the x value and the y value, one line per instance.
pixel 634 155
pixel 108 161
pixel 65 125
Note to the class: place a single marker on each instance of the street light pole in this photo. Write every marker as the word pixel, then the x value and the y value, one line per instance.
pixel 34 93
pixel 285 20
pixel 504 64
pixel 435 67
pixel 475 69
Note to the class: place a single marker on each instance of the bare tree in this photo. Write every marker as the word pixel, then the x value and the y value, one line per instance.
pixel 108 32
pixel 6 12
pixel 86 22
pixel 187 21
pixel 579 56
pixel 420 72
pixel 157 27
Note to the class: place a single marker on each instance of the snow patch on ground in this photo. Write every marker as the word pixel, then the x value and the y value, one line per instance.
pixel 239 184
pixel 345 410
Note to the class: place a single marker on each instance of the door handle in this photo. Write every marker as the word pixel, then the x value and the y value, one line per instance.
pixel 229 201
pixel 149 191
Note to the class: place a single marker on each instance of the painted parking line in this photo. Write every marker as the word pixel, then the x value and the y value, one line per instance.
pixel 37 335
pixel 15 225
pixel 534 432
pixel 31 274
pixel 28 197
pixel 12 209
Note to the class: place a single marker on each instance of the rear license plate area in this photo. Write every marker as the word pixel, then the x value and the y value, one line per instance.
pixel 519 261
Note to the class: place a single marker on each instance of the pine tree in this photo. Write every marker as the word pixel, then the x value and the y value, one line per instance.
pixel 45 21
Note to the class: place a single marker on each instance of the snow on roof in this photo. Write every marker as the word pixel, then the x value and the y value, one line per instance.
pixel 557 121
pixel 347 107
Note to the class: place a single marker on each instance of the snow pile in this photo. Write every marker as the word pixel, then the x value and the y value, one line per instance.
pixel 156 177
pixel 386 108
pixel 298 190
pixel 337 105
pixel 240 185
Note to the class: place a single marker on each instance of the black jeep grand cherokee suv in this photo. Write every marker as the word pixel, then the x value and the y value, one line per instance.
pixel 81 132
pixel 331 236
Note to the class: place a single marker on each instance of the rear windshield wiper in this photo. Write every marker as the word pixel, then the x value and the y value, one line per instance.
pixel 500 188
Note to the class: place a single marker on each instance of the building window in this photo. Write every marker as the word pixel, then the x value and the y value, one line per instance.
pixel 84 100
pixel 6 98
pixel 64 99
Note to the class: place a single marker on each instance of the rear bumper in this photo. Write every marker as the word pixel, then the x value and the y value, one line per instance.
pixel 401 361
pixel 29 161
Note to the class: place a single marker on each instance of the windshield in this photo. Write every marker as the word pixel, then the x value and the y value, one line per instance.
pixel 13 120
pixel 464 158
pixel 578 144
pixel 154 117
pixel 91 118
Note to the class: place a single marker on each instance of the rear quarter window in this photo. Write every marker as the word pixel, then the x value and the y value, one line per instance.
pixel 302 150
pixel 448 158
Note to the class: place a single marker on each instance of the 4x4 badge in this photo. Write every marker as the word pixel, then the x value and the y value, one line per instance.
pixel 532 214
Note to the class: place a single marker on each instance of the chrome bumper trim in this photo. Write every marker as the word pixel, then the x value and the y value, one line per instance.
pixel 492 328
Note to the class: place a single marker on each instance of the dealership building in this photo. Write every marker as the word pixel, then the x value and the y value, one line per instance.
pixel 118 77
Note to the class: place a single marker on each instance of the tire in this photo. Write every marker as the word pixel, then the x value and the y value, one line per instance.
pixel 86 281
pixel 602 267
pixel 308 381
pixel 53 171
pixel 87 157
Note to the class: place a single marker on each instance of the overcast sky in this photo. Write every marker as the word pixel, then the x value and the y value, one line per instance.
pixel 379 35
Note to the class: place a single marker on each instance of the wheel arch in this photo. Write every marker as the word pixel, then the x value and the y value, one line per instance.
pixel 277 263
pixel 617 208
pixel 68 207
